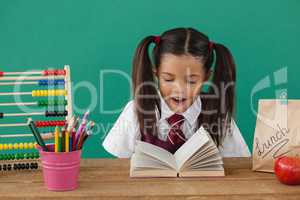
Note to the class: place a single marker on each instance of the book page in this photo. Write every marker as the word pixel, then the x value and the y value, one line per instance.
pixel 190 147
pixel 203 155
pixel 145 161
pixel 156 152
pixel 213 160
pixel 210 168
pixel 197 157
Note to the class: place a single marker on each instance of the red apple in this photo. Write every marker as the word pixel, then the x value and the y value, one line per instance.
pixel 287 170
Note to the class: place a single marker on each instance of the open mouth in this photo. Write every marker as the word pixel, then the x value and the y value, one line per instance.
pixel 178 100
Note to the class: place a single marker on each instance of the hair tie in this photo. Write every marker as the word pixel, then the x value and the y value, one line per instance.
pixel 157 40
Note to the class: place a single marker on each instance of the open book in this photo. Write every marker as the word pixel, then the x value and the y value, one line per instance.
pixel 198 156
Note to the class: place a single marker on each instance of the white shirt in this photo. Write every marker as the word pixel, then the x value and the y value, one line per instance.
pixel 121 139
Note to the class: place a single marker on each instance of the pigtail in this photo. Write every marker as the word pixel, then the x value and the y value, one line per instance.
pixel 224 77
pixel 145 94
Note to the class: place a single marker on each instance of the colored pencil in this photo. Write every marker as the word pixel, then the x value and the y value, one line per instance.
pixel 67 141
pixel 56 139
pixel 73 140
pixel 37 134
pixel 63 140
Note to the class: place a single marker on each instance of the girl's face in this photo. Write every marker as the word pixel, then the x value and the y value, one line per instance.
pixel 180 80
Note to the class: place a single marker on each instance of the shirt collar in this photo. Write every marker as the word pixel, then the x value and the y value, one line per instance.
pixel 191 114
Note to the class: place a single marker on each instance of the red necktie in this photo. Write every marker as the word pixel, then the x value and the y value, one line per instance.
pixel 175 135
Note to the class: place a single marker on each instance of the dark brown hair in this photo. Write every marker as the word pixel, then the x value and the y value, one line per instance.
pixel 216 112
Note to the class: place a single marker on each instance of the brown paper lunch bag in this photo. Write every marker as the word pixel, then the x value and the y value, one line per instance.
pixel 277 132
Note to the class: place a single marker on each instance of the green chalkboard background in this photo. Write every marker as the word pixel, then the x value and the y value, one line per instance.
pixel 98 37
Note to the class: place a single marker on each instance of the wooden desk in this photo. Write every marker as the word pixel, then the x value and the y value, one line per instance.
pixel 109 179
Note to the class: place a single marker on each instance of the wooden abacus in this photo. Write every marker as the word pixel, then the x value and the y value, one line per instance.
pixel 11 157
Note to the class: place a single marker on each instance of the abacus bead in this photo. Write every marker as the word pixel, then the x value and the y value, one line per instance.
pixel 1 146
pixel 37 155
pixel 60 82
pixel 23 166
pixel 27 166
pixel 26 155
pixel 16 146
pixel 30 145
pixel 26 145
pixel 46 92
pixel 5 147
pixel 21 145
pixel 42 93
pixel 32 155
pixel 10 146
pixel 9 167
pixel 0 167
pixel 33 93
pixel 1 156
pixel 52 93
pixel 42 124
pixel 31 165
pixel 15 166
pixel 4 167
pixel 37 93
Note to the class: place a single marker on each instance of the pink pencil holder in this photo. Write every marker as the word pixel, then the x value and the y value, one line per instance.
pixel 60 170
